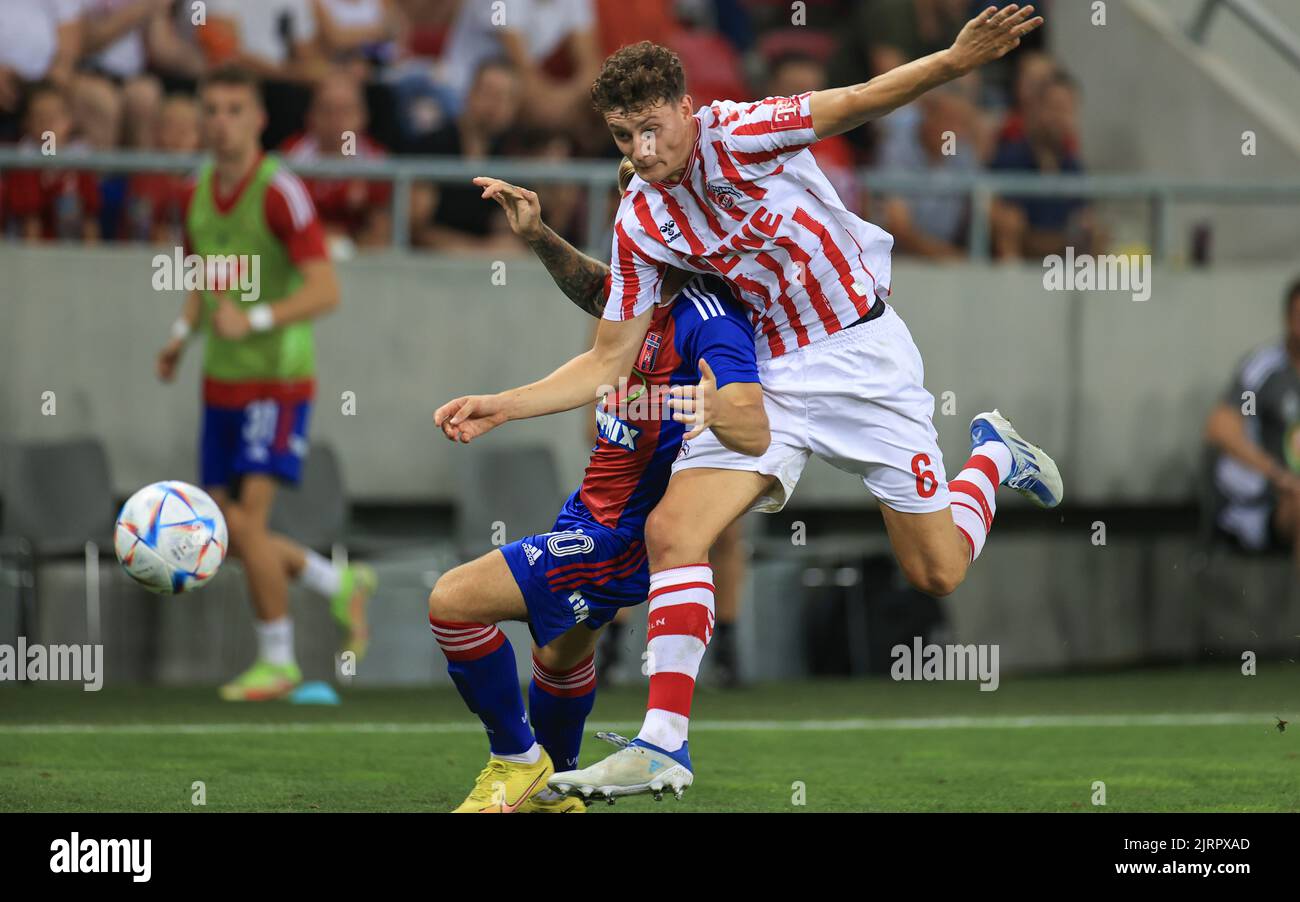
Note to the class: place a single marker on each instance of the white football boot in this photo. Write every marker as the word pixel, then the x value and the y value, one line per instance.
pixel 1033 473
pixel 637 767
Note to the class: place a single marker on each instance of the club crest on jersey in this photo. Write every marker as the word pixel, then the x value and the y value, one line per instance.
pixel 649 352
pixel 723 194
pixel 614 430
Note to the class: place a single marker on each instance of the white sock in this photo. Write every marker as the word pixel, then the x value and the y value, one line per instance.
pixel 532 756
pixel 320 575
pixel 275 641
pixel 973 493
pixel 679 625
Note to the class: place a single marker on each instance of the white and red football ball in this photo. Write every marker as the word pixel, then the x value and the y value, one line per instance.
pixel 170 537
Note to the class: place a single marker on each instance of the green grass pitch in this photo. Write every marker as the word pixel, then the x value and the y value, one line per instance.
pixel 1202 739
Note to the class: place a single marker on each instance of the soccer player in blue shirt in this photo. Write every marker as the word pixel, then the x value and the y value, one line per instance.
pixel 697 369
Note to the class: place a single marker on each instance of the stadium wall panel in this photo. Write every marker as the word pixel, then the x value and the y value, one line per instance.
pixel 1117 389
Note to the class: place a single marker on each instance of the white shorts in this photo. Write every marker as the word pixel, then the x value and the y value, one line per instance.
pixel 858 401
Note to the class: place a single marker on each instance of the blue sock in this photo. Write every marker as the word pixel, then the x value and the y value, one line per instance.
pixel 481 662
pixel 560 702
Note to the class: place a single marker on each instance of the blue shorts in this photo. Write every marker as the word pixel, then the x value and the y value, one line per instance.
pixel 580 572
pixel 264 436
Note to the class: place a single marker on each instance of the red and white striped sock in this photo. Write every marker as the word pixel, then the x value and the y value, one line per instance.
pixel 973 502
pixel 680 625
pixel 466 641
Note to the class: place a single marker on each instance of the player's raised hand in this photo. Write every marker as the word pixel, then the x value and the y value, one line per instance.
pixel 523 209
pixel 993 34
pixel 695 405
pixel 465 419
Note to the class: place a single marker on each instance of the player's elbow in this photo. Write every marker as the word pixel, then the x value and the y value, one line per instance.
pixel 324 284
pixel 331 297
pixel 1219 425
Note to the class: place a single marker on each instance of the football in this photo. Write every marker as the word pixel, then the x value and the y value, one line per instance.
pixel 170 537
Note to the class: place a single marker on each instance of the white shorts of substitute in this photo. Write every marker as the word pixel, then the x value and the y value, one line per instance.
pixel 858 401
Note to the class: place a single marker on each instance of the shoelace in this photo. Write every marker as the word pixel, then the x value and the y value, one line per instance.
pixel 614 739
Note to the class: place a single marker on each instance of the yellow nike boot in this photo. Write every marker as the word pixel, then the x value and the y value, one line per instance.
pixel 549 802
pixel 504 787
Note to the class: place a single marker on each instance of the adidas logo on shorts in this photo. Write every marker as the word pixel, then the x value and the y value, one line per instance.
pixel 532 553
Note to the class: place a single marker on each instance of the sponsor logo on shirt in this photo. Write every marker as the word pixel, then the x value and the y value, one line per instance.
pixel 785 114
pixel 615 431
pixel 580 610
pixel 531 552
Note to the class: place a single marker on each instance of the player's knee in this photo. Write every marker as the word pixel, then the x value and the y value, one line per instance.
pixel 669 542
pixel 936 578
pixel 440 600
pixel 447 600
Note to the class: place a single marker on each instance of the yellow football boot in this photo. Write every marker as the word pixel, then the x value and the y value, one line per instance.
pixel 550 803
pixel 262 682
pixel 504 787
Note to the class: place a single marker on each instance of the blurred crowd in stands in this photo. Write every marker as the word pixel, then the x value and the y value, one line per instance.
pixel 447 77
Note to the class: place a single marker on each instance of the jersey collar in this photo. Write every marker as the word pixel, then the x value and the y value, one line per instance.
pixel 226 204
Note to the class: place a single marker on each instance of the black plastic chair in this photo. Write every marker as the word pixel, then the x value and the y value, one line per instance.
pixel 57 497
pixel 315 512
pixel 517 486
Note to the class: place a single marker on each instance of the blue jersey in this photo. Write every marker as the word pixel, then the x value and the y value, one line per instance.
pixel 638 440
pixel 593 561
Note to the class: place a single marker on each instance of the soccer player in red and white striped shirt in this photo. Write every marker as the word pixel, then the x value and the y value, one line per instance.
pixel 732 189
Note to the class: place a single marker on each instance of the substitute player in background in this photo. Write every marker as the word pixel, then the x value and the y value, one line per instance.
pixel 571 581
pixel 1255 434
pixel 258 369
pixel 733 189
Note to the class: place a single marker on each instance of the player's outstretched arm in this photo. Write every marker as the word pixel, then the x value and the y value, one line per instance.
pixel 580 381
pixel 581 278
pixel 734 412
pixel 989 36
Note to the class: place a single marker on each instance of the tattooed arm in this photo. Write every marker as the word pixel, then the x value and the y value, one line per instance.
pixel 581 278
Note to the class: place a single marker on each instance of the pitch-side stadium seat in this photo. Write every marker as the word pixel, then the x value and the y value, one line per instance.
pixel 516 486
pixel 315 512
pixel 1226 575
pixel 57 497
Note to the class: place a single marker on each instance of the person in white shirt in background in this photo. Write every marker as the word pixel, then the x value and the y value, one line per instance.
pixel 278 40
pixel 530 33
pixel 39 42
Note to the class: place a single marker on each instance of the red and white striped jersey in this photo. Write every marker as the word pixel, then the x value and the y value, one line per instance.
pixel 753 207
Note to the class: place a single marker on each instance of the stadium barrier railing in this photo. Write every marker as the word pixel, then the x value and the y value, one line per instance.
pixel 598 177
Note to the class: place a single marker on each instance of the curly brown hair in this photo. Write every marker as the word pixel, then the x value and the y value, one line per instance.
pixel 638 76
